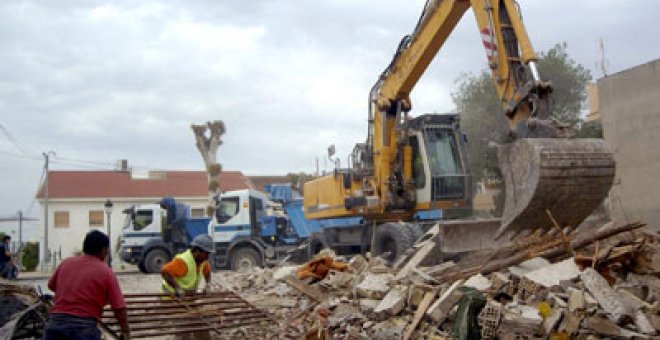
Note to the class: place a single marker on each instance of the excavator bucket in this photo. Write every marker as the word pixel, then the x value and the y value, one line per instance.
pixel 567 177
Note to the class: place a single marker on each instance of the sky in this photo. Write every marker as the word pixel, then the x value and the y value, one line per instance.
pixel 99 81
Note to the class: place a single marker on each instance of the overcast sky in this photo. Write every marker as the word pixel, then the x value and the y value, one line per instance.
pixel 98 81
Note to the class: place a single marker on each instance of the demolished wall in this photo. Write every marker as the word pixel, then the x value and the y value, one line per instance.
pixel 630 112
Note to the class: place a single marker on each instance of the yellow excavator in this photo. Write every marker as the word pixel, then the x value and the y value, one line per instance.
pixel 410 168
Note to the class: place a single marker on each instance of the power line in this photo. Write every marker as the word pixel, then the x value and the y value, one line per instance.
pixel 18 145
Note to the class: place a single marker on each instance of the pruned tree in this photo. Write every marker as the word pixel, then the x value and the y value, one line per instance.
pixel 208 140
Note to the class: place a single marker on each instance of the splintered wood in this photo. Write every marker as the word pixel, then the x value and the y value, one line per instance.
pixel 158 314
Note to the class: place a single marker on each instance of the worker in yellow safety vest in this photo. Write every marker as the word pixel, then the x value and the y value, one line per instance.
pixel 182 275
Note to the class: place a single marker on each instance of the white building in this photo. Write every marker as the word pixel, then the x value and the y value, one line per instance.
pixel 76 202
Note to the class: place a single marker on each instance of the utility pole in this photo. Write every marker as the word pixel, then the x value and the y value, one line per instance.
pixel 46 248
pixel 20 228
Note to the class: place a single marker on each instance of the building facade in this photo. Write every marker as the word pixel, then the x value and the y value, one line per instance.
pixel 76 203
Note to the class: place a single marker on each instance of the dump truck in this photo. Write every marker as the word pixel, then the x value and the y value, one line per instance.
pixel 412 172
pixel 250 228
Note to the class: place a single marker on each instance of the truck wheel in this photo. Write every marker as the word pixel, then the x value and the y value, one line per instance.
pixel 141 267
pixel 393 238
pixel 415 231
pixel 155 260
pixel 244 259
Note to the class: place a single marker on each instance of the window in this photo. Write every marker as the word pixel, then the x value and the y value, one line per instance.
pixel 142 218
pixel 228 208
pixel 96 218
pixel 197 212
pixel 442 152
pixel 419 176
pixel 61 219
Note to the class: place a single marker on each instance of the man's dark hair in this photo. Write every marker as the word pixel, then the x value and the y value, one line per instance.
pixel 6 238
pixel 94 242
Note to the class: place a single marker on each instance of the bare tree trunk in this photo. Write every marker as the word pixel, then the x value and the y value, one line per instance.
pixel 208 148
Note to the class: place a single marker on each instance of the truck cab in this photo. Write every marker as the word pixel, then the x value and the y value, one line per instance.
pixel 249 228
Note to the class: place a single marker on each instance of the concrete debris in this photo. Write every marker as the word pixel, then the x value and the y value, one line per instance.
pixel 392 303
pixel 478 282
pixel 550 297
pixel 374 286
pixel 607 298
pixel 528 266
pixel 284 271
pixel 441 308
pixel 551 275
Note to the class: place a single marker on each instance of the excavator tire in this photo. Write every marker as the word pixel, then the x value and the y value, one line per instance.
pixel 567 177
pixel 392 238
pixel 415 231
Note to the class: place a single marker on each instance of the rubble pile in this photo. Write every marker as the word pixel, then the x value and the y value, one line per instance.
pixel 22 311
pixel 585 285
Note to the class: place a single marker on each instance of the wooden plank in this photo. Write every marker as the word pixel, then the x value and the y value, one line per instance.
pixel 419 313
pixel 311 291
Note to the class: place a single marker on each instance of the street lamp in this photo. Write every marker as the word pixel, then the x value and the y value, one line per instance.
pixel 108 211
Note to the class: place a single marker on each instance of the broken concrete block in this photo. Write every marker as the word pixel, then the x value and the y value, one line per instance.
pixel 603 326
pixel 284 271
pixel 607 298
pixel 441 308
pixel 528 266
pixel 374 286
pixel 478 282
pixel 633 302
pixel 390 329
pixel 576 300
pixel 368 305
pixel 551 275
pixel 337 280
pixel 643 324
pixel 392 303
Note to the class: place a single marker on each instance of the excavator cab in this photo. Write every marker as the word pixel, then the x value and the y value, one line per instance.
pixel 440 169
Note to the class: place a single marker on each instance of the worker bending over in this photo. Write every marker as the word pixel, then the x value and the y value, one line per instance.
pixel 83 285
pixel 182 274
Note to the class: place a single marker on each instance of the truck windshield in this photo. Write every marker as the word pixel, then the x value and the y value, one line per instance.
pixel 442 152
pixel 127 221
pixel 227 209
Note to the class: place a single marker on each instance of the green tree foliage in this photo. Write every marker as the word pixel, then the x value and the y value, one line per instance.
pixel 569 80
pixel 482 115
pixel 31 256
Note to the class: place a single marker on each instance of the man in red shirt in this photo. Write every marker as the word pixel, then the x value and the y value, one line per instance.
pixel 83 285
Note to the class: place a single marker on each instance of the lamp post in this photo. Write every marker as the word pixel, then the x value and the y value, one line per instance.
pixel 108 212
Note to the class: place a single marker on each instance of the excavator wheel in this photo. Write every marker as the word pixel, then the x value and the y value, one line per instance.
pixel 566 177
pixel 415 231
pixel 392 238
